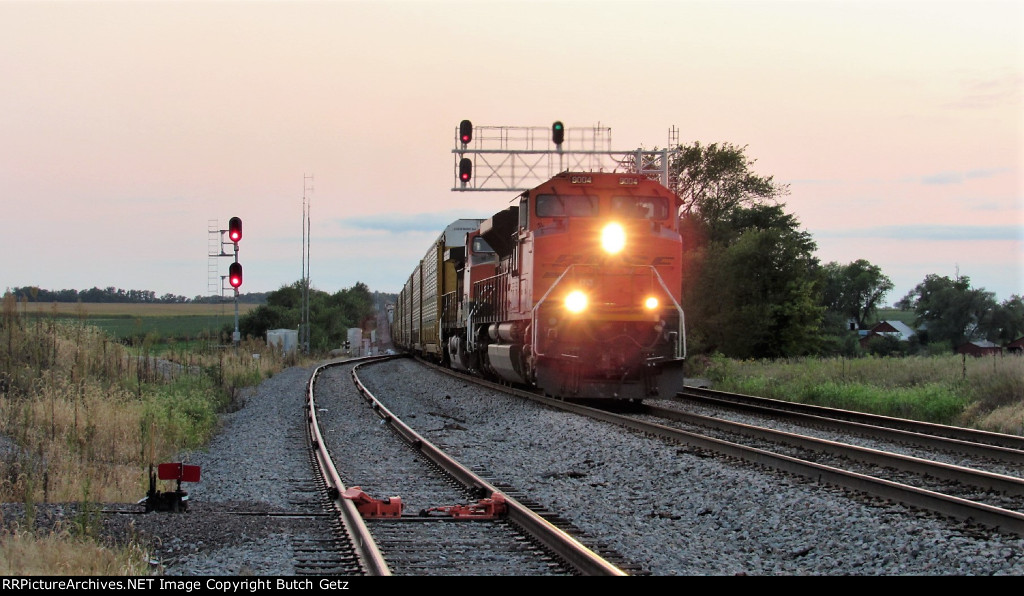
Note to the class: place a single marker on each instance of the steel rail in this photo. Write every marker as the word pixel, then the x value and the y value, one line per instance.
pixel 979 442
pixel 582 558
pixel 365 547
pixel 962 509
pixel 1010 485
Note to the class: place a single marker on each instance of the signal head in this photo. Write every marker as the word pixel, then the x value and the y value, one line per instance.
pixel 235 274
pixel 465 169
pixel 465 132
pixel 558 132
pixel 235 229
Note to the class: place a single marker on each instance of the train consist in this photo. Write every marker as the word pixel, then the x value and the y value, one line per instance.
pixel 575 290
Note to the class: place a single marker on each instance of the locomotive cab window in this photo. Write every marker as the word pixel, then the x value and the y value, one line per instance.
pixel 640 207
pixel 482 252
pixel 567 206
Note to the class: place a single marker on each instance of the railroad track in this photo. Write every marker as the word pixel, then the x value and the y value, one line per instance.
pixel 1009 448
pixel 966 493
pixel 432 540
pixel 992 499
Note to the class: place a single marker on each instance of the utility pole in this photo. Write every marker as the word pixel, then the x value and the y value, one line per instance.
pixel 304 328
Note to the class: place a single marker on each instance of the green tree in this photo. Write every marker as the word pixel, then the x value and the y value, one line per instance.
pixel 1007 321
pixel 715 180
pixel 755 293
pixel 854 290
pixel 750 287
pixel 287 297
pixel 264 318
pixel 330 315
pixel 951 311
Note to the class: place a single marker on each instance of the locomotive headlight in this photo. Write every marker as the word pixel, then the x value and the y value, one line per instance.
pixel 576 301
pixel 613 238
pixel 651 303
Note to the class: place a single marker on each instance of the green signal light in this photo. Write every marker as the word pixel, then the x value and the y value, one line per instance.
pixel 558 132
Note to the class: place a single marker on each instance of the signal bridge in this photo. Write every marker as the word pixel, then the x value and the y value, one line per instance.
pixel 517 158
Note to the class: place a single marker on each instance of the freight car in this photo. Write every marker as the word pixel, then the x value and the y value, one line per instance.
pixel 574 290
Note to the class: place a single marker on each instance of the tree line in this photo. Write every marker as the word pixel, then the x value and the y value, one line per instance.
pixel 754 289
pixel 119 295
pixel 330 315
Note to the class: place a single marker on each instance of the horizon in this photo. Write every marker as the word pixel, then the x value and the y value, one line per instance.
pixel 131 128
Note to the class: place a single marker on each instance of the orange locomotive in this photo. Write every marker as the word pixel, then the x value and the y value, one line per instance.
pixel 575 290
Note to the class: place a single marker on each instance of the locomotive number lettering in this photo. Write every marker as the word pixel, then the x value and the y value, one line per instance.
pixel 581 179
pixel 629 181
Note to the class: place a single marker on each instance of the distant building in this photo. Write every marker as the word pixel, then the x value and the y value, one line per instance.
pixel 981 347
pixel 285 340
pixel 1016 346
pixel 895 329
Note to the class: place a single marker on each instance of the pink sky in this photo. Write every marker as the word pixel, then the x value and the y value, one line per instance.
pixel 126 126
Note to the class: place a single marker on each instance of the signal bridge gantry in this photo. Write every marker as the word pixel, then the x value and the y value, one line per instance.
pixel 517 158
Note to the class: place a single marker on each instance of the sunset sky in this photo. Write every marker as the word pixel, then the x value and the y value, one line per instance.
pixel 125 127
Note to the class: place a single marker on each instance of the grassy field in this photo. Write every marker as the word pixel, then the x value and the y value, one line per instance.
pixel 162 321
pixel 985 393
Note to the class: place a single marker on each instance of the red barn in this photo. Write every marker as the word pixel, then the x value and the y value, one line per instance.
pixel 979 347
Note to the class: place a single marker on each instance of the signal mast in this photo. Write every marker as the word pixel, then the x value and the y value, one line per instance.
pixel 516 158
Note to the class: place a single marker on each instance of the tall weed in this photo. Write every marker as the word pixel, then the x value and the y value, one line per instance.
pixel 985 393
pixel 82 417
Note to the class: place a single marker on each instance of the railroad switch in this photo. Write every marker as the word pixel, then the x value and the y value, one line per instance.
pixel 176 500
pixel 369 507
pixel 491 508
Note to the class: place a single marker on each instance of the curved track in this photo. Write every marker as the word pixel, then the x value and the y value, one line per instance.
pixel 424 543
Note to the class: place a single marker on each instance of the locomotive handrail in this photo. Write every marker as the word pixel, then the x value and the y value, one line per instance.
pixel 681 341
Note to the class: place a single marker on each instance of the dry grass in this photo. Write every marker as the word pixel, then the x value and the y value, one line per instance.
pixel 1004 419
pixel 81 419
pixel 68 441
pixel 62 553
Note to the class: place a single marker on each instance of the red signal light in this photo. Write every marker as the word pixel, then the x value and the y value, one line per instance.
pixel 465 169
pixel 465 132
pixel 235 275
pixel 235 229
